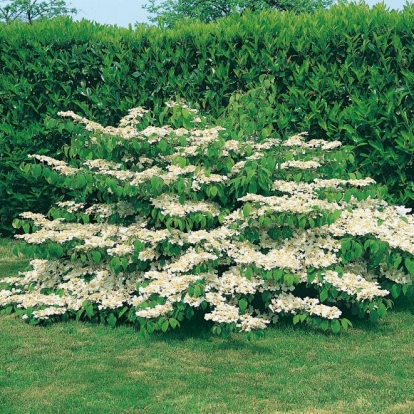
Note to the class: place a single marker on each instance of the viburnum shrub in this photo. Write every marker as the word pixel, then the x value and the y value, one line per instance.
pixel 161 222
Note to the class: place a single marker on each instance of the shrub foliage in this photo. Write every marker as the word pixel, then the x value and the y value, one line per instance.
pixel 161 222
pixel 343 74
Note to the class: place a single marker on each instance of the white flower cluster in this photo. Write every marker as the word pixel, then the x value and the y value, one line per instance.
pixel 224 313
pixel 60 166
pixel 156 311
pixel 102 165
pixel 169 205
pixel 120 250
pixel 173 104
pixel 295 203
pixel 385 224
pixel 189 260
pixel 201 178
pixel 288 303
pixel 126 130
pixel 231 282
pixel 396 275
pixel 298 141
pixel 310 188
pixel 301 165
pixel 354 285
pixel 70 206
pixel 133 116
pixel 174 172
pixel 244 253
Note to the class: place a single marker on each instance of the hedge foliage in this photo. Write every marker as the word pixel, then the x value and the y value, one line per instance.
pixel 345 74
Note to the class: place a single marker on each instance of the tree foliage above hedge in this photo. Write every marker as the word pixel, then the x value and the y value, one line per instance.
pixel 30 10
pixel 170 12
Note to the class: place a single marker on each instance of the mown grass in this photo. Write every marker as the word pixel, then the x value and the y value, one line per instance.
pixel 84 368
pixel 9 263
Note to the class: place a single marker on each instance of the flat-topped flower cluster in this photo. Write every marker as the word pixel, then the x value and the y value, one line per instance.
pixel 165 221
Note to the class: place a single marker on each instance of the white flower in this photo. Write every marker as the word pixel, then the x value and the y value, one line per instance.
pixel 223 313
pixel 247 323
pixel 120 250
pixel 155 312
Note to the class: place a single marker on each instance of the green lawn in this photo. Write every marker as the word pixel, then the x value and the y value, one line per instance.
pixel 83 368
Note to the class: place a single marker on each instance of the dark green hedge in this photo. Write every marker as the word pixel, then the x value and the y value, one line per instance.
pixel 346 73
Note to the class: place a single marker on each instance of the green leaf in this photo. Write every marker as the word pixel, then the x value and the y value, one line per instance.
pixel 243 303
pixel 182 162
pixel 357 249
pixel 249 273
pixel 288 279
pixel 324 295
pixel 26 227
pixel 197 291
pixel 324 325
pixel 302 222
pixel 164 326
pixel 345 324
pixel 213 191
pixel 163 145
pixel 89 310
pixel 345 245
pixel 247 208
pixel 395 291
pixel 253 187
pixel 79 314
pixel 124 263
pixel 274 233
pixel 156 184
pixel 138 245
pixel 382 310
pixel 375 246
pixel 373 316
pixel 16 223
pixel 151 327
pixel 123 311
pixel 409 264
pixel 335 326
pixel 277 274
pixel 80 181
pixel 96 256
pixel 111 320
pixel 55 250
pixel 173 323
pixel 396 261
pixel 266 296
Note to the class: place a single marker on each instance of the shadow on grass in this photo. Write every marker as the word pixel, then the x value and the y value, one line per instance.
pixel 197 328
